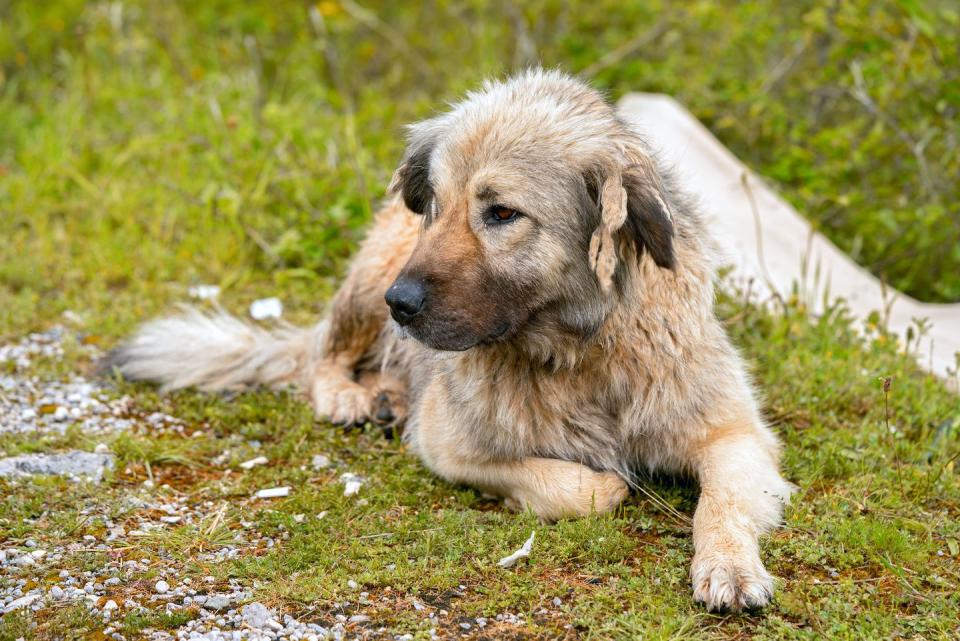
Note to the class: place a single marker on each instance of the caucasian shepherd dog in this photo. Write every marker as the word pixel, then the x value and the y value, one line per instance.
pixel 535 302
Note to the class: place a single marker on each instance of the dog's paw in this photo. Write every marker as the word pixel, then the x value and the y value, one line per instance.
pixel 571 490
pixel 730 582
pixel 343 404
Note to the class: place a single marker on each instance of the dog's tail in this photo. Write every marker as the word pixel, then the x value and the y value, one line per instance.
pixel 212 352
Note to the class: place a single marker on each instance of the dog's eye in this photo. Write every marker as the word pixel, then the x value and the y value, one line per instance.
pixel 499 214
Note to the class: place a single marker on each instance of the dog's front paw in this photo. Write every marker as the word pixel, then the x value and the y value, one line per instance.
pixel 730 581
pixel 343 404
pixel 569 490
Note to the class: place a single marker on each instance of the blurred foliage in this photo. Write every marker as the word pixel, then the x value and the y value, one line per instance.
pixel 160 140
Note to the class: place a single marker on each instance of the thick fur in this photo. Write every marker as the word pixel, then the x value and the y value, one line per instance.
pixel 557 354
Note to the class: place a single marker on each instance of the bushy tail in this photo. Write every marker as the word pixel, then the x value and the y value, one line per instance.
pixel 213 351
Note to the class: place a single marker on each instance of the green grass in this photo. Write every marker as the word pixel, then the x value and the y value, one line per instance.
pixel 177 143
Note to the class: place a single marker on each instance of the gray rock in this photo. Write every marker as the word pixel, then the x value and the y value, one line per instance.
pixel 218 602
pixel 76 463
pixel 256 615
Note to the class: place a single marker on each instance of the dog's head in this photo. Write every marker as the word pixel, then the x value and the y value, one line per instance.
pixel 533 194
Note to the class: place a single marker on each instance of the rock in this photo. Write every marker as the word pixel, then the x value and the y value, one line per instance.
pixel 161 587
pixel 56 592
pixel 273 492
pixel 266 308
pixel 352 584
pixel 77 464
pixel 252 463
pixel 256 615
pixel 101 448
pixel 110 605
pixel 22 602
pixel 217 602
pixel 320 461
pixel 351 483
pixel 359 618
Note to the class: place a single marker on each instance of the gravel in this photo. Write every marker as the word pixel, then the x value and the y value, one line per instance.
pixel 35 405
pixel 34 574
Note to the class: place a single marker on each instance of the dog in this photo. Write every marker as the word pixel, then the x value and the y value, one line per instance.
pixel 535 302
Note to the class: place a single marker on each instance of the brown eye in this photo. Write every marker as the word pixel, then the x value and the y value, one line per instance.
pixel 499 214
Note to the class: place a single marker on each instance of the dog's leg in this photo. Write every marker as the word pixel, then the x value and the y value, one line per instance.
pixel 357 319
pixel 742 496
pixel 551 488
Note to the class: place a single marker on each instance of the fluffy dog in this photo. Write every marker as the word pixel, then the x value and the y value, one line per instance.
pixel 552 333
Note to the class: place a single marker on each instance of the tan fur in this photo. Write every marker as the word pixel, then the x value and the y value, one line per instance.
pixel 559 354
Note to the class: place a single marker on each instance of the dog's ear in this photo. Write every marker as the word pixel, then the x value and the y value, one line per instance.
pixel 632 203
pixel 649 219
pixel 412 178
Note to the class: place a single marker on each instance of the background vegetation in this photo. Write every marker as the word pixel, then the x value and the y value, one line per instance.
pixel 153 144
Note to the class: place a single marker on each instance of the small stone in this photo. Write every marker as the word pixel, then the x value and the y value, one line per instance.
pixel 557 602
pixel 101 448
pixel 22 602
pixel 256 615
pixel 273 492
pixel 56 592
pixel 252 463
pixel 217 602
pixel 161 587
pixel 351 483
pixel 266 308
pixel 358 618
pixel 465 626
pixel 110 605
pixel 352 584
pixel 320 461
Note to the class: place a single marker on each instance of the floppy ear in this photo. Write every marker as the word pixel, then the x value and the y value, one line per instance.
pixel 649 217
pixel 412 178
pixel 631 203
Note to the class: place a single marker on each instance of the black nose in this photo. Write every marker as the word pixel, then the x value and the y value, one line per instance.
pixel 406 298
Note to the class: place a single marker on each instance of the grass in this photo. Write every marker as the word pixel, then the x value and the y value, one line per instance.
pixel 164 144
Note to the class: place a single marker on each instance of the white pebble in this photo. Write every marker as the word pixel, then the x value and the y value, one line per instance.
pixel 273 492
pixel 266 308
pixel 110 605
pixel 161 587
pixel 252 463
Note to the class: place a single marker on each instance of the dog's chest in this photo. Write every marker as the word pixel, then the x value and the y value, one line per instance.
pixel 576 414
